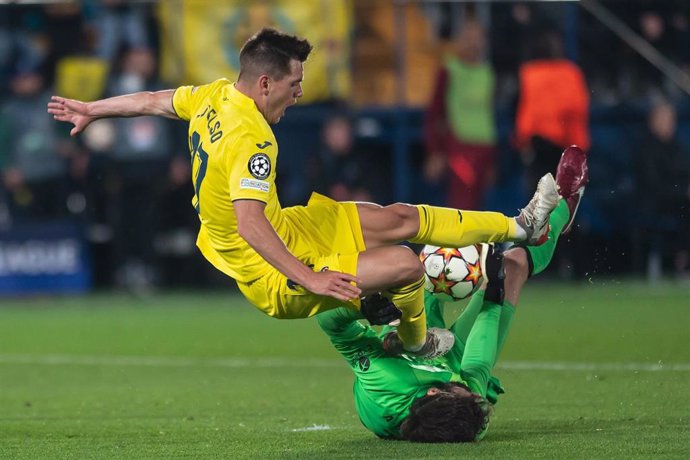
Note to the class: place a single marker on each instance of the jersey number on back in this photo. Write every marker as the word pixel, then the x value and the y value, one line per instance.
pixel 199 153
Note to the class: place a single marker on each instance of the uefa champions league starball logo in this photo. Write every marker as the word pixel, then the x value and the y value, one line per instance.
pixel 260 166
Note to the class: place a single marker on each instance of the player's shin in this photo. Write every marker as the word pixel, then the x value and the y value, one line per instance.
pixel 453 228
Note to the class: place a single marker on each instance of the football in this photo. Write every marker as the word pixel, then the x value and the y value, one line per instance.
pixel 454 273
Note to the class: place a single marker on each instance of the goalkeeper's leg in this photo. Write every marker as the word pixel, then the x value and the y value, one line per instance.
pixel 522 262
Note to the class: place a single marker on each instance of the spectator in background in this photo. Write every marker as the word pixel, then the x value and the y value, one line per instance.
pixel 459 128
pixel 663 184
pixel 6 51
pixel 119 24
pixel 664 25
pixel 34 156
pixel 513 25
pixel 680 30
pixel 137 149
pixel 343 170
pixel 553 107
pixel 24 43
pixel 179 262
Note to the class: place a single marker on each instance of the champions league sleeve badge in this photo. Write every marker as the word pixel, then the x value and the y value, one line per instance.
pixel 259 166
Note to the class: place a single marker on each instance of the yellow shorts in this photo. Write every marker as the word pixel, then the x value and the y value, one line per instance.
pixel 330 239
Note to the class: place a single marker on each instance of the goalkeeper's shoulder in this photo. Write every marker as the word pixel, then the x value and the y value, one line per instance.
pixel 337 319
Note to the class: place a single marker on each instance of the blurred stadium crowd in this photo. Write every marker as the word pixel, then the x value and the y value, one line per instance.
pixel 126 184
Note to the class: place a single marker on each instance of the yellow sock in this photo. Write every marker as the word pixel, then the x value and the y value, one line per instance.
pixel 412 328
pixel 447 227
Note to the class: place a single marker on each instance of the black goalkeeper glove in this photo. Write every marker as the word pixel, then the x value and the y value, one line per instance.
pixel 379 310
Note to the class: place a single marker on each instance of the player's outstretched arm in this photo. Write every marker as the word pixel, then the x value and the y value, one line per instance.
pixel 82 114
pixel 254 227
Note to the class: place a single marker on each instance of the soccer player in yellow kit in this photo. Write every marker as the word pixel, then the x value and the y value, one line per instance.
pixel 295 262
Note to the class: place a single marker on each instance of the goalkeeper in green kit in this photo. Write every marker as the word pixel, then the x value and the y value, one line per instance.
pixel 449 398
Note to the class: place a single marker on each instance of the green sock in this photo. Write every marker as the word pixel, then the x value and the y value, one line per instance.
pixel 493 327
pixel 541 255
pixel 463 325
pixel 481 346
pixel 434 311
pixel 507 312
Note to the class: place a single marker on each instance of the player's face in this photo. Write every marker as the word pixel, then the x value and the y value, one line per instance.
pixel 284 92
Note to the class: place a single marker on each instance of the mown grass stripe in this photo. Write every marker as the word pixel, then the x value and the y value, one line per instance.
pixel 162 361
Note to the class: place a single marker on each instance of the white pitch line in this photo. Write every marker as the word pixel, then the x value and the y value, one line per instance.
pixel 570 366
pixel 162 361
pixel 314 427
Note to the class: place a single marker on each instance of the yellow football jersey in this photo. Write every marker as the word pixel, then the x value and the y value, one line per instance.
pixel 233 152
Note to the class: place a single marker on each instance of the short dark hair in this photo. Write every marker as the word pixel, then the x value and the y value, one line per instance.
pixel 446 417
pixel 270 52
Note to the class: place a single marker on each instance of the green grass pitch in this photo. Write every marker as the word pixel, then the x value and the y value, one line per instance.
pixel 595 370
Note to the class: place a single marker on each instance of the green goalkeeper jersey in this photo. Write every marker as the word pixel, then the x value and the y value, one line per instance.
pixel 385 386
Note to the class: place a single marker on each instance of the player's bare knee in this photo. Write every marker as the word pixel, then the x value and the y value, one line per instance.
pixel 411 268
